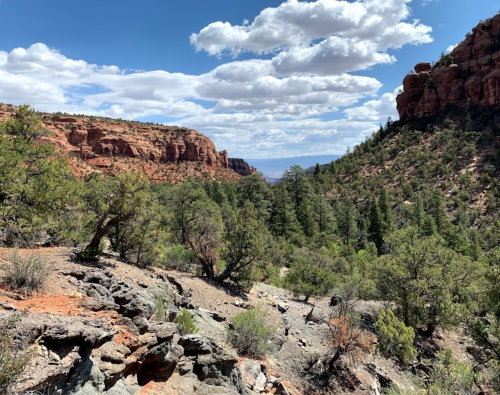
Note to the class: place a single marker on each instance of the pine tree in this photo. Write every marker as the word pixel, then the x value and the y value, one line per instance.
pixel 376 227
pixel 385 208
pixel 323 214
pixel 332 168
pixel 428 226
pixel 437 208
pixel 305 215
pixel 283 219
pixel 347 218
pixel 418 211
pixel 297 184
pixel 317 170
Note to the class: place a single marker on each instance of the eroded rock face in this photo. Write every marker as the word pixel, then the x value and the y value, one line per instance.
pixel 473 77
pixel 163 153
pixel 151 143
pixel 241 167
pixel 123 351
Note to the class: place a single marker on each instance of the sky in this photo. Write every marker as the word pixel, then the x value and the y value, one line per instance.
pixel 262 79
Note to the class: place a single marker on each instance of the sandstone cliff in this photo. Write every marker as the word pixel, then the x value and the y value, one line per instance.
pixel 241 167
pixel 163 153
pixel 470 74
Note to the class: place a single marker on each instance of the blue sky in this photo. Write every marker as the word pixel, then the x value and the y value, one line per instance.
pixel 260 78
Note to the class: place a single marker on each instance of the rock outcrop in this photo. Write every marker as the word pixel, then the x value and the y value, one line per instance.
pixel 163 153
pixel 241 167
pixel 469 74
pixel 121 350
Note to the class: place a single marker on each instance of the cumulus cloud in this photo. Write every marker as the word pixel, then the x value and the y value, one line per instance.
pixel 451 48
pixel 260 135
pixel 323 37
pixel 376 110
pixel 278 105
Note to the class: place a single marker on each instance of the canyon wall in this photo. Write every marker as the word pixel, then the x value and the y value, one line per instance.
pixel 469 74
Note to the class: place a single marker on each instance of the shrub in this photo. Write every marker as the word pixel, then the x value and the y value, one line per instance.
pixel 396 339
pixel 185 322
pixel 177 257
pixel 347 338
pixel 161 312
pixel 27 273
pixel 251 331
pixel 14 356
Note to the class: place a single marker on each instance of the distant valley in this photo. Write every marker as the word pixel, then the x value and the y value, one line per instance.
pixel 273 168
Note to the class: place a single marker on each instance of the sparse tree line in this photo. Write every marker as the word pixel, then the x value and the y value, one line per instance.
pixel 418 247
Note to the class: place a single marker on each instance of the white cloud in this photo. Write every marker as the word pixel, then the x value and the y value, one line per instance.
pixel 321 37
pixel 451 48
pixel 335 55
pixel 279 106
pixel 376 110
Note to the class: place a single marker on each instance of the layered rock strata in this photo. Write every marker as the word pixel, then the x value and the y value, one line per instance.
pixel 469 74
pixel 241 167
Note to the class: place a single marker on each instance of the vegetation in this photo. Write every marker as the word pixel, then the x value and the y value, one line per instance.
pixel 27 272
pixel 185 322
pixel 410 216
pixel 14 355
pixel 250 332
pixel 396 339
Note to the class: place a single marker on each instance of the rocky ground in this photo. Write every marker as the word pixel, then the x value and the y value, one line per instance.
pixel 95 332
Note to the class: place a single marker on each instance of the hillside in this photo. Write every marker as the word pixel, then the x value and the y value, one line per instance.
pixel 163 153
pixel 447 138
pixel 376 274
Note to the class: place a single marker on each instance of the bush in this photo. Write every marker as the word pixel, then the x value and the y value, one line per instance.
pixel 27 273
pixel 14 356
pixel 178 258
pixel 185 322
pixel 396 339
pixel 251 331
pixel 161 312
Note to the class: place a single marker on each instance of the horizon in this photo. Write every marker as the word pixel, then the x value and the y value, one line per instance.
pixel 291 80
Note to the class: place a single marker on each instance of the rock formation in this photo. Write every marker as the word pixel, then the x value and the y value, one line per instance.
pixel 470 74
pixel 241 167
pixel 163 153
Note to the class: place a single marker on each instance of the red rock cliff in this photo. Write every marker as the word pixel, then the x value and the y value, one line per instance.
pixel 241 167
pixel 473 75
pixel 164 153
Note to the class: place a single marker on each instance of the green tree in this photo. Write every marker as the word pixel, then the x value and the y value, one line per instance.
pixel 305 216
pixel 297 184
pixel 385 208
pixel 376 228
pixel 243 242
pixel 111 202
pixel 311 274
pixel 203 233
pixel 431 284
pixel 347 217
pixel 395 338
pixel 254 189
pixel 323 214
pixel 36 187
pixel 418 213
pixel 179 201
pixel 283 219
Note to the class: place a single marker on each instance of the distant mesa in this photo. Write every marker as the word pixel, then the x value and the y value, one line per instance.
pixel 163 153
pixel 469 74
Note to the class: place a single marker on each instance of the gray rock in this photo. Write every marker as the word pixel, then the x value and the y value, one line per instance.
pixel 196 345
pixel 250 370
pixel 260 382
